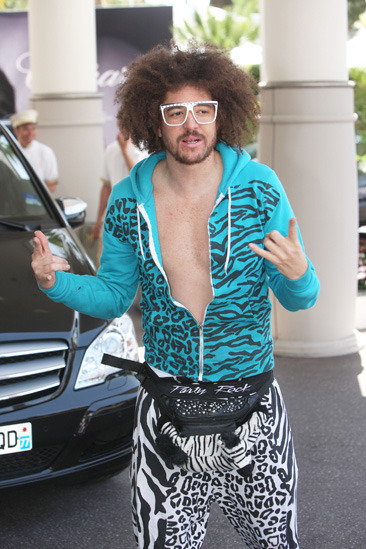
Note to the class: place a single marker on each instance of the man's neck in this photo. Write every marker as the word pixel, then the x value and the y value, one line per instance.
pixel 26 145
pixel 186 180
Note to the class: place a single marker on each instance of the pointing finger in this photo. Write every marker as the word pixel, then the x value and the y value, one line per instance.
pixel 37 250
pixel 41 243
pixel 292 229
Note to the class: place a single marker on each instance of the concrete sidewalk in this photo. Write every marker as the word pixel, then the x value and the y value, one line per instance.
pixel 327 413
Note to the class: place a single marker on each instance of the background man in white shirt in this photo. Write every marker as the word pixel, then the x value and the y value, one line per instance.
pixel 40 156
pixel 119 158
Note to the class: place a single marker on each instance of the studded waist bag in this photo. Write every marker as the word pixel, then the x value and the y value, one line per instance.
pixel 204 425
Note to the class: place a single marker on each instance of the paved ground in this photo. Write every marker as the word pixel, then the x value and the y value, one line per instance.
pixel 328 412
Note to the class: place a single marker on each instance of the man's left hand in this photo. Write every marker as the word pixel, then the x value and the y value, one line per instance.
pixel 285 252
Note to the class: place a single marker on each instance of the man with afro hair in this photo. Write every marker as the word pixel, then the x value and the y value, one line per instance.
pixel 206 232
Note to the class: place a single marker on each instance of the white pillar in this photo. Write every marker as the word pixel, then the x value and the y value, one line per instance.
pixel 62 37
pixel 307 136
pixel 304 41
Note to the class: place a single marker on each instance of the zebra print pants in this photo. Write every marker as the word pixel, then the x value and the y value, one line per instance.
pixel 170 507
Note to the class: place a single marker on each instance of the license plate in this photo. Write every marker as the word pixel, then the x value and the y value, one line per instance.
pixel 15 438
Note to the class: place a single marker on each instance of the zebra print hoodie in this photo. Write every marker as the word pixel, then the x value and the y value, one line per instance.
pixel 234 339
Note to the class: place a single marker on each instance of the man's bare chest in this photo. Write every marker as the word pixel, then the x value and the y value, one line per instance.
pixel 183 234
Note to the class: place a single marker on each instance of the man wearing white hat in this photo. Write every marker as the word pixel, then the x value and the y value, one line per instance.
pixel 42 157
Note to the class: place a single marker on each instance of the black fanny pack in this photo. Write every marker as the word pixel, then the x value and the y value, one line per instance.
pixel 191 409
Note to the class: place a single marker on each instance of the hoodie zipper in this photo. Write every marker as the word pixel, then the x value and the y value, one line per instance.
pixel 201 353
pixel 201 338
pixel 141 208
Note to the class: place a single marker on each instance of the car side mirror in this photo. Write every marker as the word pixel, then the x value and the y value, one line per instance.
pixel 74 209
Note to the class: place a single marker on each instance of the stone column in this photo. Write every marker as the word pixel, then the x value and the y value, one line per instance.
pixel 62 36
pixel 307 136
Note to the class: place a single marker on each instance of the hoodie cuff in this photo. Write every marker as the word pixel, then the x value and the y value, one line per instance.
pixel 56 289
pixel 300 284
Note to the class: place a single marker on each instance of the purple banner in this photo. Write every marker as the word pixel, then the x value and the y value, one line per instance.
pixel 122 34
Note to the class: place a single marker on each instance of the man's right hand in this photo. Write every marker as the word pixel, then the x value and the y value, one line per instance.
pixel 44 264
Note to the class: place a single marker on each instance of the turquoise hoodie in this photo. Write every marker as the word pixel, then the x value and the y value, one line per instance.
pixel 234 339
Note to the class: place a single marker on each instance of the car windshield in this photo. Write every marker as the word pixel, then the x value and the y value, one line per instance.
pixel 21 204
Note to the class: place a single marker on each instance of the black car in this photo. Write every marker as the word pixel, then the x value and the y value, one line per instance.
pixel 62 413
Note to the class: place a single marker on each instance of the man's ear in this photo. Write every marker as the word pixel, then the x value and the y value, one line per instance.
pixel 159 133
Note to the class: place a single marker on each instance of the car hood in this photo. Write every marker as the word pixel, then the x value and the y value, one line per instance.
pixel 25 311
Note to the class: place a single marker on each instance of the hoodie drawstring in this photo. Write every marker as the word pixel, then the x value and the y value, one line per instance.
pixel 228 230
pixel 139 232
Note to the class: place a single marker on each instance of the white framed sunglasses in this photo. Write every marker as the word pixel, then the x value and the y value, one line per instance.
pixel 176 114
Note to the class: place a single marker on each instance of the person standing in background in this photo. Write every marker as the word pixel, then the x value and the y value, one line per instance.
pixel 119 158
pixel 40 156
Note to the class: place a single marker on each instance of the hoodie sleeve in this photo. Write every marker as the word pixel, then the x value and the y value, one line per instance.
pixel 111 292
pixel 296 294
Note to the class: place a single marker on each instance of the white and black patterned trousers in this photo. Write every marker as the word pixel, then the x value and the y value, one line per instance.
pixel 170 506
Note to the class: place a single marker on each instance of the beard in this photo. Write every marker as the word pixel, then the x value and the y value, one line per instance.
pixel 190 157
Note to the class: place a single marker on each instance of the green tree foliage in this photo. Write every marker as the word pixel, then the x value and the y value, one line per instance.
pixel 359 78
pixel 228 32
pixel 355 9
pixel 13 4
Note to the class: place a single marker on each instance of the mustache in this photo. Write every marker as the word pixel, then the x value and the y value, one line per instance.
pixel 193 133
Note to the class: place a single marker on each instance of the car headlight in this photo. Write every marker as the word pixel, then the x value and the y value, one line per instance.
pixel 117 339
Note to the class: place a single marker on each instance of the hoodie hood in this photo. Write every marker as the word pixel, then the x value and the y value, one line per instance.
pixel 234 162
pixel 141 174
